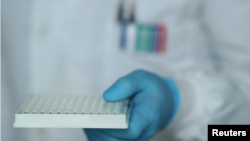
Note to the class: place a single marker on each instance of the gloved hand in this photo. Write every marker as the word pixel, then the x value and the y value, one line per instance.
pixel 155 102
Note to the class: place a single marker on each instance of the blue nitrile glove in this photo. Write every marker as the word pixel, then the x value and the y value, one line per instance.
pixel 155 102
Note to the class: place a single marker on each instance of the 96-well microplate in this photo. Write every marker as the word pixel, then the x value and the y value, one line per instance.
pixel 72 111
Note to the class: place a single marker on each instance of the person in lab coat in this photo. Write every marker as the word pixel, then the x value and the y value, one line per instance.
pixel 201 78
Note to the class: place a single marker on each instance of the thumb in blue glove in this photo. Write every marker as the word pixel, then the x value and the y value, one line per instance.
pixel 155 102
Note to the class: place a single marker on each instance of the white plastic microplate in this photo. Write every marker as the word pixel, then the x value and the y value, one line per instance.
pixel 71 111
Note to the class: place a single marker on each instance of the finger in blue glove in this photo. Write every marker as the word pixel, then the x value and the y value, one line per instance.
pixel 155 102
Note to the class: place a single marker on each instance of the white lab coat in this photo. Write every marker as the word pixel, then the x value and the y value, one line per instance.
pixel 73 48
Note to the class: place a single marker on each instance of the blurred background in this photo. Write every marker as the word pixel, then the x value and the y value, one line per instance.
pixel 74 47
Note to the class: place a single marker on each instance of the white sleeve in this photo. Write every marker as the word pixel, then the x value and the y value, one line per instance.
pixel 219 95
